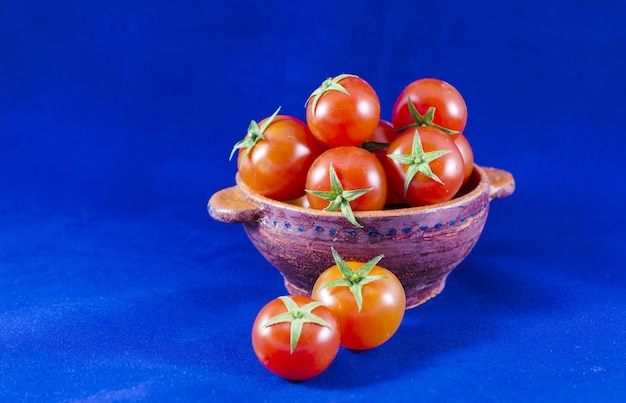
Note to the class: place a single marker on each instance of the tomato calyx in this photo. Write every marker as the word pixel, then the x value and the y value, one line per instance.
pixel 354 280
pixel 418 161
pixel 253 136
pixel 297 316
pixel 423 120
pixel 339 198
pixel 330 84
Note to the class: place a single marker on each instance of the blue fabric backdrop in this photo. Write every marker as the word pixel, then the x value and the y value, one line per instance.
pixel 116 121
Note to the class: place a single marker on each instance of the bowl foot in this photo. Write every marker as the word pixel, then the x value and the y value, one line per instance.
pixel 293 289
pixel 418 295
pixel 414 296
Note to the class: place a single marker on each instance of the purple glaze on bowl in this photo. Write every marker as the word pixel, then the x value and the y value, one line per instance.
pixel 422 245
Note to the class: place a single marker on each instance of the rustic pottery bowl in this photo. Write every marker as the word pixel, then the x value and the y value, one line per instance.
pixel 421 245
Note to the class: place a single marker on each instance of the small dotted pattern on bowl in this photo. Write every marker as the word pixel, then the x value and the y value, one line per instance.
pixel 322 230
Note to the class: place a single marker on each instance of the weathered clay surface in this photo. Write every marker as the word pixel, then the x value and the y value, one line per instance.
pixel 421 245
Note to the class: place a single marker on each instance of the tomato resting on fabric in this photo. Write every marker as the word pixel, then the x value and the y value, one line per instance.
pixel 368 301
pixel 425 166
pixel 347 179
pixel 448 108
pixel 295 337
pixel 343 111
pixel 275 156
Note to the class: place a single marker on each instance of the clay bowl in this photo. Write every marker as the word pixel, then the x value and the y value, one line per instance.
pixel 421 245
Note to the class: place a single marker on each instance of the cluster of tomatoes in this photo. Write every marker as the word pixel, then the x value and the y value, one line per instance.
pixel 355 305
pixel 346 158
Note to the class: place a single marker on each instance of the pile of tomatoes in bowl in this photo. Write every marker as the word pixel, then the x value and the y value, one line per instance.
pixel 346 158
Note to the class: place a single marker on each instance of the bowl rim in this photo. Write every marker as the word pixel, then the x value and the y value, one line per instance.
pixel 481 188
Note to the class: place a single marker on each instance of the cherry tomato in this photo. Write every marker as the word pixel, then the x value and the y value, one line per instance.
pixel 425 166
pixel 450 110
pixel 279 146
pixel 343 111
pixel 383 134
pixel 368 301
pixel 295 337
pixel 468 155
pixel 348 179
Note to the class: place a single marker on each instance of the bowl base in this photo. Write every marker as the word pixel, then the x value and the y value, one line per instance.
pixel 419 295
pixel 293 289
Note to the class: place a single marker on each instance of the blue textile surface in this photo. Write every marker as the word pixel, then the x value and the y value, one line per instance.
pixel 116 121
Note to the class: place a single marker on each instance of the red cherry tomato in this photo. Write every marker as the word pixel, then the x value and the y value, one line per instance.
pixel 368 301
pixel 438 166
pixel 355 169
pixel 343 111
pixel 468 155
pixel 450 108
pixel 295 337
pixel 279 146
pixel 384 134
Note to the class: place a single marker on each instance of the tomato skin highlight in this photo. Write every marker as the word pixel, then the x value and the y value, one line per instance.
pixel 339 119
pixel 448 168
pixel 357 169
pixel 316 349
pixel 450 107
pixel 277 165
pixel 384 304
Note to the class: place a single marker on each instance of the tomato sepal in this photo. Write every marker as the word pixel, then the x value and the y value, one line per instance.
pixel 418 161
pixel 297 316
pixel 339 199
pixel 330 84
pixel 424 120
pixel 354 280
pixel 253 136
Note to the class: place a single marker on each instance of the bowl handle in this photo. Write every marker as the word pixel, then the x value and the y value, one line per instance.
pixel 501 183
pixel 229 205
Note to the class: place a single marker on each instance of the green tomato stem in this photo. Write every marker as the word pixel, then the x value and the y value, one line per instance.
pixel 354 280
